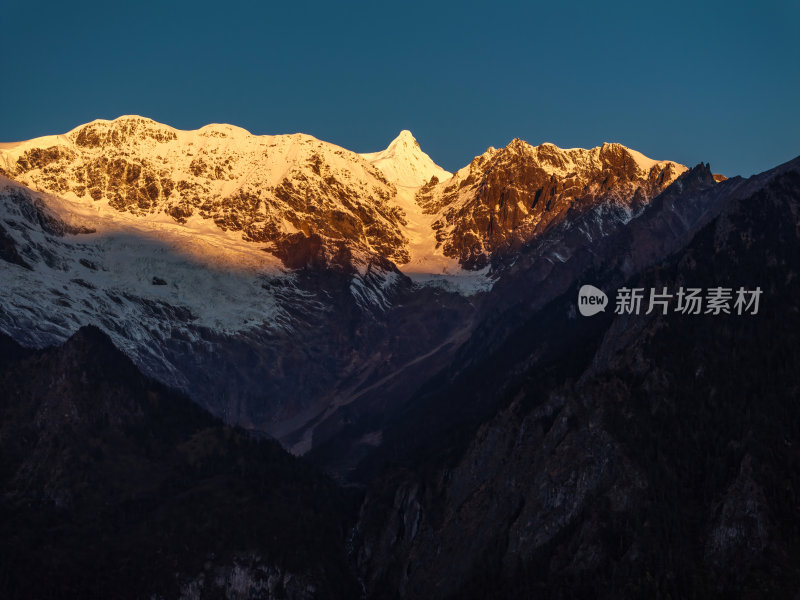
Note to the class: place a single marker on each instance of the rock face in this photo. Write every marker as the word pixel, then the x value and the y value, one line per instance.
pixel 647 455
pixel 268 188
pixel 265 187
pixel 506 197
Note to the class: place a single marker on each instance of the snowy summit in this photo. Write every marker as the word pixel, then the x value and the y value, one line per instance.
pixel 404 163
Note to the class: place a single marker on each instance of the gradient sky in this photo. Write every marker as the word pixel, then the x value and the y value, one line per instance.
pixel 717 83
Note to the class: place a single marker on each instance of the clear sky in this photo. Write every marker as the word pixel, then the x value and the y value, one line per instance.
pixel 716 82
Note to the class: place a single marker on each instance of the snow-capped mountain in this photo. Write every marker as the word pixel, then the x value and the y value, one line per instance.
pixel 405 164
pixel 279 190
pixel 265 187
pixel 282 281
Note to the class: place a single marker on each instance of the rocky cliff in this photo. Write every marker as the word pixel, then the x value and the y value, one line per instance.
pixel 505 197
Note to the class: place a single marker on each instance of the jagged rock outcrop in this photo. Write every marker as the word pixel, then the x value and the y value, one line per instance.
pixel 266 187
pixel 505 197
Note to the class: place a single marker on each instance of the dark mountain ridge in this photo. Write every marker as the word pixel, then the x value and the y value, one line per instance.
pixel 655 457
pixel 115 486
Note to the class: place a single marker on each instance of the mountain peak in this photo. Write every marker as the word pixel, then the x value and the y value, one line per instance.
pixel 404 163
pixel 404 139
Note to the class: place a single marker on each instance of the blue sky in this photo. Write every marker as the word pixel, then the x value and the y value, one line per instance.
pixel 717 83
